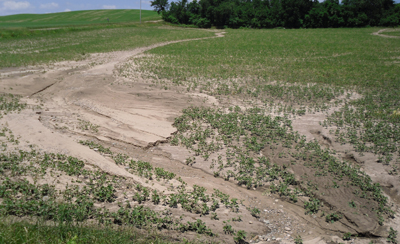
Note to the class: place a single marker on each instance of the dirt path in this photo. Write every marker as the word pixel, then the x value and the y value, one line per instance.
pixel 378 33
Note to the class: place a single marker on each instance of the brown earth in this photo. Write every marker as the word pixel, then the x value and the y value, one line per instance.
pixel 135 117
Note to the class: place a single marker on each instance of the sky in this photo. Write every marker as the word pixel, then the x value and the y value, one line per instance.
pixel 8 7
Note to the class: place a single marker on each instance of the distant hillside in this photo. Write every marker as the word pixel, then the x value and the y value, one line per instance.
pixel 77 18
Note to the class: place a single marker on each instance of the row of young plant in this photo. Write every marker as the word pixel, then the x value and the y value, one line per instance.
pixel 293 98
pixel 196 201
pixel 243 134
pixel 44 196
pixel 141 168
pixel 87 187
pixel 9 103
pixel 371 123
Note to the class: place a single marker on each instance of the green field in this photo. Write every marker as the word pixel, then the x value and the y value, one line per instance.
pixel 74 18
pixel 339 57
pixel 75 43
pixel 392 32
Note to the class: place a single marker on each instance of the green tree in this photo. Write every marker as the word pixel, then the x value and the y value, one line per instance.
pixel 368 11
pixel 276 13
pixel 391 17
pixel 294 12
pixel 280 13
pixel 159 5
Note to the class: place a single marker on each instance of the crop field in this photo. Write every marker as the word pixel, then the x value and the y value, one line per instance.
pixel 328 62
pixel 156 133
pixel 75 18
pixel 394 32
pixel 75 43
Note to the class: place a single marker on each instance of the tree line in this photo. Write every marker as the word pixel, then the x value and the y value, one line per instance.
pixel 280 13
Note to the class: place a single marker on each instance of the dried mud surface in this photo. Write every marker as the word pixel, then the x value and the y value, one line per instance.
pixel 135 117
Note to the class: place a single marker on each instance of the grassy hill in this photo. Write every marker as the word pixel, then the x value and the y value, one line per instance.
pixel 87 17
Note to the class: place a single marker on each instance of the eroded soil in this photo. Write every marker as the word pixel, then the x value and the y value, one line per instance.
pixel 135 117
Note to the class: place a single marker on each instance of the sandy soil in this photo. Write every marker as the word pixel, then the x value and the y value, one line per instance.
pixel 135 117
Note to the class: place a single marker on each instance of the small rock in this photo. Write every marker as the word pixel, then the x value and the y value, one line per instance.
pixel 38 112
pixel 280 211
pixel 287 229
pixel 255 239
pixel 96 149
pixel 266 221
pixel 310 232
pixel 276 200
pixel 250 222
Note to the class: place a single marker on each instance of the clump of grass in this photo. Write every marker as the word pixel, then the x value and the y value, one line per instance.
pixel 10 102
pixel 97 147
pixel 87 125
